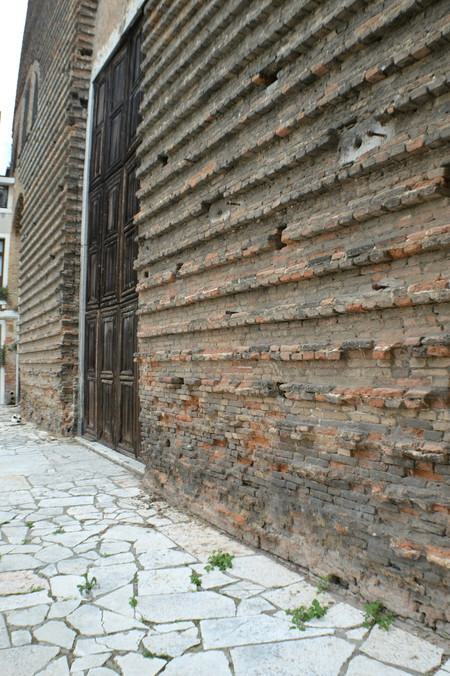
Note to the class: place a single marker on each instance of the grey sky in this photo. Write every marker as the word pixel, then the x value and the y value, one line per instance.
pixel 12 20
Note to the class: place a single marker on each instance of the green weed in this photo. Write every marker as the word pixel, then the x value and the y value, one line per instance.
pixel 377 614
pixel 220 560
pixel 304 614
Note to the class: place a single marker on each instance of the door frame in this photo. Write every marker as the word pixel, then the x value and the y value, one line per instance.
pixel 133 13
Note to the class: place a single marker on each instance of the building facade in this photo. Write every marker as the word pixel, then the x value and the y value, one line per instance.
pixel 8 295
pixel 234 265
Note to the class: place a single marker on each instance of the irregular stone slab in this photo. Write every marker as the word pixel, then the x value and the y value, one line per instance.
pixel 357 634
pixel 17 601
pixel 85 647
pixel 66 586
pixel 118 601
pixel 53 554
pixel 152 539
pixel 20 582
pixel 112 548
pixel 363 665
pixel 21 637
pixel 28 617
pixel 235 631
pixel 13 482
pixel 315 657
pixel 84 663
pixel 102 671
pixel 122 641
pixel 164 580
pixel 212 663
pixel 213 578
pixel 12 562
pixel 63 608
pixel 58 667
pixel 201 540
pixel 137 665
pixel 74 566
pixel 112 577
pixel 188 606
pixel 254 606
pixel 243 589
pixel 67 501
pixel 165 558
pixel 342 616
pixel 173 643
pixel 298 594
pixel 26 660
pixel 402 649
pixel 56 633
pixel 263 571
pixel 112 559
pixel 87 620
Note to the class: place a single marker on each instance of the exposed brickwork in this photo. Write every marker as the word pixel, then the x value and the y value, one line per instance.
pixel 294 336
pixel 49 173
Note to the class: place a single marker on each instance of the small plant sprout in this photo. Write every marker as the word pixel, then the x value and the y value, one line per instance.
pixel 59 531
pixel 220 560
pixel 88 584
pixel 133 601
pixel 323 584
pixel 196 579
pixel 377 614
pixel 304 614
pixel 29 524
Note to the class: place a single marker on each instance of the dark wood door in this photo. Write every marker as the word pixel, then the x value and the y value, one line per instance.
pixel 111 402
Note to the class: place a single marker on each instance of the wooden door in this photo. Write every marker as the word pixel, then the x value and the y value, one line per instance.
pixel 110 400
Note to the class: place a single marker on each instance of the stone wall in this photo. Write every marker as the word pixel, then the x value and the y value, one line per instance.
pixel 294 291
pixel 49 171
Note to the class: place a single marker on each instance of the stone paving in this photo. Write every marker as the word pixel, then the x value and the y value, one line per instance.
pixel 70 517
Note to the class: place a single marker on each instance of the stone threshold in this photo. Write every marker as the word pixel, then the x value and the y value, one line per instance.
pixel 134 466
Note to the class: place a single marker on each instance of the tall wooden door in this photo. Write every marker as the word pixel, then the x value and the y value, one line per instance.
pixel 111 403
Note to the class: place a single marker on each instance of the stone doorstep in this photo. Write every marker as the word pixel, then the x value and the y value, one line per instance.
pixel 134 466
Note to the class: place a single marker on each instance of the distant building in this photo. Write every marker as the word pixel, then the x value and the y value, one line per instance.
pixel 8 295
pixel 234 236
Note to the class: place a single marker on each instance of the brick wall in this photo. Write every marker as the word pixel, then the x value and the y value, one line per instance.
pixel 294 337
pixel 49 171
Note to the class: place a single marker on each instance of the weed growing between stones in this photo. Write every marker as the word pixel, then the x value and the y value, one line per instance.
pixel 377 614
pixel 133 601
pixel 220 560
pixel 150 655
pixel 303 614
pixel 196 579
pixel 59 531
pixel 323 584
pixel 88 584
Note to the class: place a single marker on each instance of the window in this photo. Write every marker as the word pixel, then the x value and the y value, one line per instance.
pixel 2 260
pixel 3 197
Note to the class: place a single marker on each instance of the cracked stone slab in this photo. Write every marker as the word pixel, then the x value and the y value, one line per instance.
pixel 402 649
pixel 185 606
pixel 21 637
pixel 165 558
pixel 26 660
pixel 89 662
pixel 66 586
pixel 137 665
pixel 90 620
pixel 297 594
pixel 201 540
pixel 316 657
pixel 363 665
pixel 4 638
pixel 209 663
pixel 173 643
pixel 18 601
pixel 235 631
pixel 254 606
pixel 54 554
pixel 12 562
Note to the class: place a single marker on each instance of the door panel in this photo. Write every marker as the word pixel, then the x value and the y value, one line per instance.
pixel 111 402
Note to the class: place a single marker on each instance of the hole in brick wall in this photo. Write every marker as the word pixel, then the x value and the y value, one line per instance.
pixel 85 51
pixel 265 78
pixel 163 158
pixel 276 237
pixel 146 274
pixel 179 266
pixel 338 581
pixel 357 143
pixel 167 442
